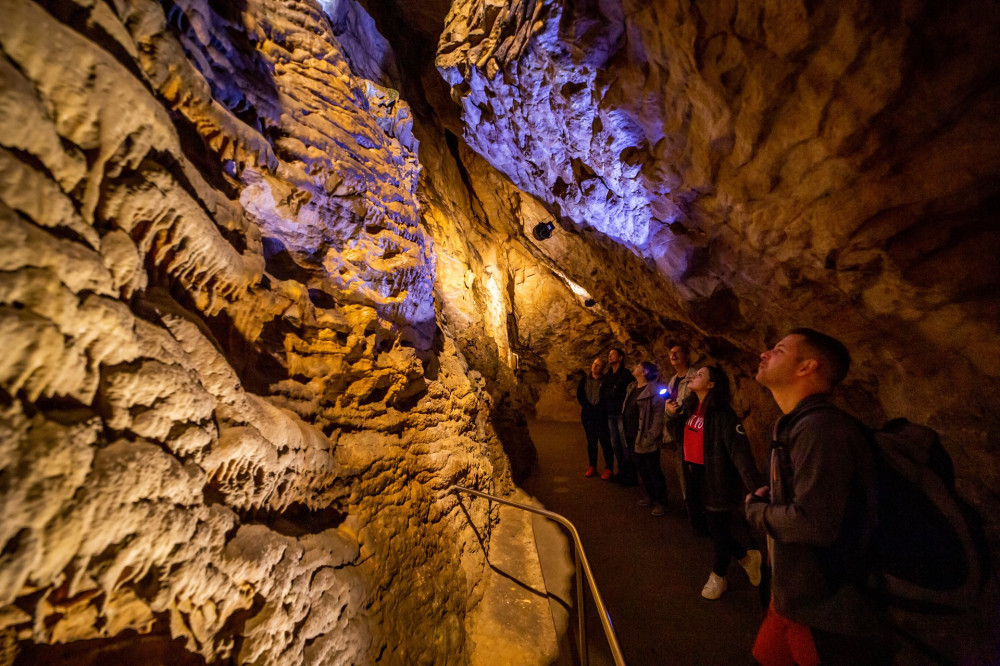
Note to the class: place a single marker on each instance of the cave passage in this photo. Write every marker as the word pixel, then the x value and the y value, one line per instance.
pixel 277 274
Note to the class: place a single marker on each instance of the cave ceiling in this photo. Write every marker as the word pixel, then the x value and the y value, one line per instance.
pixel 720 173
pixel 823 162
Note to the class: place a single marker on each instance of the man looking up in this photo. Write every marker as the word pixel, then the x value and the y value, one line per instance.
pixel 613 390
pixel 679 361
pixel 817 513
pixel 594 416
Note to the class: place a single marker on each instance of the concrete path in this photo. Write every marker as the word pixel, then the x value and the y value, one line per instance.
pixel 515 625
pixel 650 570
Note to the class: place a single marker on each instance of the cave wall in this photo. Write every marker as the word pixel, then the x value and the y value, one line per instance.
pixel 772 164
pixel 503 297
pixel 231 404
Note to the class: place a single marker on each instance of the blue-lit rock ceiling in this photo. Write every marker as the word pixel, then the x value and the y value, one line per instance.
pixel 269 284
pixel 831 164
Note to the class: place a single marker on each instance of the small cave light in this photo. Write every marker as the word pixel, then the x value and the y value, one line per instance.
pixel 543 231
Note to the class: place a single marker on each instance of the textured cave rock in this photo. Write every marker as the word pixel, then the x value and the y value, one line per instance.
pixel 823 164
pixel 270 286
pixel 230 412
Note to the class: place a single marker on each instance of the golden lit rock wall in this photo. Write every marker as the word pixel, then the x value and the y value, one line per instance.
pixel 780 164
pixel 229 415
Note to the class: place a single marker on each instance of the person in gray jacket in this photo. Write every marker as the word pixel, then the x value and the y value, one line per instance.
pixel 649 436
pixel 817 512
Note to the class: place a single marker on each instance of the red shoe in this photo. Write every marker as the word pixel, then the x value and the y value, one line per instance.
pixel 590 471
pixel 606 475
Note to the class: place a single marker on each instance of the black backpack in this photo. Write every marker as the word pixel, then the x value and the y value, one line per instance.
pixel 924 548
pixel 928 551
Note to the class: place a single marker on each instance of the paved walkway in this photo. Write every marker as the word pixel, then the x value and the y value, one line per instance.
pixel 650 570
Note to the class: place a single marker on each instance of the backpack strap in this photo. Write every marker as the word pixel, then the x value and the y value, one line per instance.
pixel 783 426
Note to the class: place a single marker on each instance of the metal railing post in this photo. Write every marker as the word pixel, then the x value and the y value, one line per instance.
pixel 582 565
pixel 581 614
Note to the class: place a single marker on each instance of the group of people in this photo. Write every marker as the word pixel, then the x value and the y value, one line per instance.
pixel 632 416
pixel 815 506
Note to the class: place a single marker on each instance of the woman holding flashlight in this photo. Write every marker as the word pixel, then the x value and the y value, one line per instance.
pixel 719 470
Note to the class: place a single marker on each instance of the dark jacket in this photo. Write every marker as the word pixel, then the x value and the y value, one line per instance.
pixel 822 482
pixel 730 470
pixel 590 413
pixel 630 414
pixel 614 388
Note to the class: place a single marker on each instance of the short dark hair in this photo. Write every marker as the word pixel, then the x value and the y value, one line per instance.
pixel 834 359
pixel 650 371
pixel 682 345
pixel 621 353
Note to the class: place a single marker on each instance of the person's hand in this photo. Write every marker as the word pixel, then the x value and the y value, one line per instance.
pixel 762 494
pixel 671 407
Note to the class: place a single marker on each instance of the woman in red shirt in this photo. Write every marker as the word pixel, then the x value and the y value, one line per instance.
pixel 719 470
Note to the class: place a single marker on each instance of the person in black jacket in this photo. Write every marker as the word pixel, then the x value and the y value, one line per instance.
pixel 718 468
pixel 594 417
pixel 613 390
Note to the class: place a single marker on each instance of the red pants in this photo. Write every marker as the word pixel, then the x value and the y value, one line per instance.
pixel 784 642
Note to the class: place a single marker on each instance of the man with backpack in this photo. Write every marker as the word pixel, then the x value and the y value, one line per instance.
pixel 818 514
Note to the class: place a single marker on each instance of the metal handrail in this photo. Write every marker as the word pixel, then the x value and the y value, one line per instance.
pixel 582 566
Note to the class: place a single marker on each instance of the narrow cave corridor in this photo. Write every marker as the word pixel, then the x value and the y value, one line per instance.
pixel 280 273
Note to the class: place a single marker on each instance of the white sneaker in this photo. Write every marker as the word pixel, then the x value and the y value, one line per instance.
pixel 751 564
pixel 714 588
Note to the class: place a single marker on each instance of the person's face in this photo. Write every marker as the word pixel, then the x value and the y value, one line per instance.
pixel 779 364
pixel 701 382
pixel 597 367
pixel 637 372
pixel 614 357
pixel 677 356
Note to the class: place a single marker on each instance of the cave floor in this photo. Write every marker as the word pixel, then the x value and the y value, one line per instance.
pixel 650 570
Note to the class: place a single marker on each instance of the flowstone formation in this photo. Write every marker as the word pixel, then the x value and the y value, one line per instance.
pixel 230 414
pixel 824 164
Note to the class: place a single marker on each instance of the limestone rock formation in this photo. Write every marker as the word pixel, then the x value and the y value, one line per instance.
pixel 230 415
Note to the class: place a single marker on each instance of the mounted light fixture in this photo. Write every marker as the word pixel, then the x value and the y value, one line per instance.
pixel 543 231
